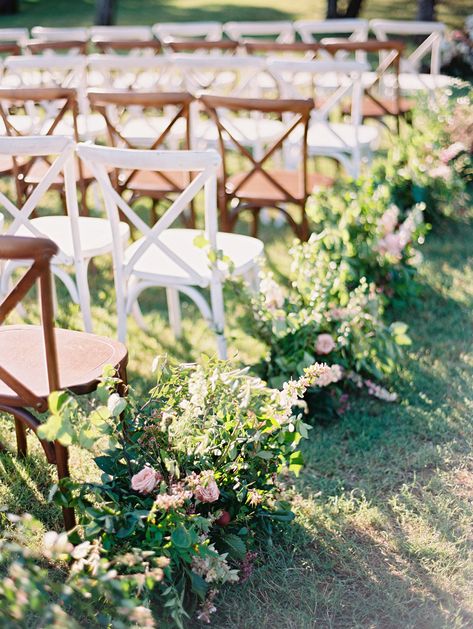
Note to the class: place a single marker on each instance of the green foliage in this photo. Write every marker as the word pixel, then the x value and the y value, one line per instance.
pixel 188 472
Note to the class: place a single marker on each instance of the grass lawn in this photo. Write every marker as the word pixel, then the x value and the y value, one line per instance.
pixel 81 12
pixel 384 506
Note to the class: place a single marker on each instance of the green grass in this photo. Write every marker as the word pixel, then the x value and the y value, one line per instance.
pixel 382 536
pixel 81 12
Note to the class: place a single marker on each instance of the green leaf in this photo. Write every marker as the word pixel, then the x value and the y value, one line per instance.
pixel 50 429
pixel 56 401
pixel 181 538
pixel 235 546
pixel 265 454
pixel 198 585
pixel 200 241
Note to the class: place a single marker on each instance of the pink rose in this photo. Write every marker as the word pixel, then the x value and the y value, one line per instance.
pixel 208 492
pixel 325 344
pixel 145 481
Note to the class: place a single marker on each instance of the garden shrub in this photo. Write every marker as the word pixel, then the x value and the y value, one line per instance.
pixel 188 472
pixel 317 315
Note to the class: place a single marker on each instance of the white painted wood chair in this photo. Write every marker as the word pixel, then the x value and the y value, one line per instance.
pixel 181 31
pixel 345 142
pixel 311 31
pixel 411 76
pixel 278 30
pixel 121 32
pixel 56 71
pixel 132 72
pixel 15 35
pixel 79 238
pixel 168 257
pixel 71 33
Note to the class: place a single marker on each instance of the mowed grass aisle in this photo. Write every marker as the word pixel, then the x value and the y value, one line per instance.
pixel 383 532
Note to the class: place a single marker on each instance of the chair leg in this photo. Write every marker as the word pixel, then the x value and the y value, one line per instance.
pixel 174 310
pixel 62 465
pixel 21 443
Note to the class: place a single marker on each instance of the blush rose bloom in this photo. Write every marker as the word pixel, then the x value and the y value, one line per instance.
pixel 145 481
pixel 325 344
pixel 208 492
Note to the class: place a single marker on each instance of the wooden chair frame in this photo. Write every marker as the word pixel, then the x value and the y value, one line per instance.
pixel 28 97
pixel 392 59
pixel 41 46
pixel 40 251
pixel 129 46
pixel 102 102
pixel 300 111
pixel 182 31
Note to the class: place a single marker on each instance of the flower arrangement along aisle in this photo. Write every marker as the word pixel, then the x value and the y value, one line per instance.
pixel 318 317
pixel 189 473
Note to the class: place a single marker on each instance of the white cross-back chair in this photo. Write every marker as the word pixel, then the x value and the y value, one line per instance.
pixel 181 31
pixel 279 30
pixel 164 256
pixel 71 33
pixel 56 71
pixel 16 35
pixel 131 72
pixel 346 142
pixel 78 238
pixel 411 77
pixel 121 32
pixel 311 31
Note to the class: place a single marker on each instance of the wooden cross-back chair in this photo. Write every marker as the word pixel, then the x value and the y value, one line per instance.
pixel 132 122
pixel 37 360
pixel 263 185
pixel 46 111
pixel 224 46
pixel 382 95
pixel 70 47
pixel 276 48
pixel 128 46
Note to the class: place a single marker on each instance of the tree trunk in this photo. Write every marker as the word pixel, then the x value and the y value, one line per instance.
pixel 105 12
pixel 426 10
pixel 8 7
pixel 353 9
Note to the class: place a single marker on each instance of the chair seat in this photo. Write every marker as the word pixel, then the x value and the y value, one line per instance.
pixel 81 359
pixel 153 184
pixel 39 169
pixel 371 109
pixel 260 189
pixel 154 263
pixel 336 137
pixel 95 234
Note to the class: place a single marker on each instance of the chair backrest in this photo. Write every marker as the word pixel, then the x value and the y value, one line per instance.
pixel 137 72
pixel 181 31
pixel 203 73
pixel 57 34
pixel 278 49
pixel 347 76
pixel 281 31
pixel 45 70
pixel 223 46
pixel 433 32
pixel 389 54
pixel 121 108
pixel 14 35
pixel 39 251
pixel 295 114
pixel 202 164
pixel 66 46
pixel 121 32
pixel 127 46
pixel 58 154
pixel 310 30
